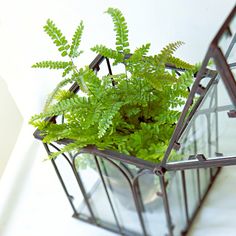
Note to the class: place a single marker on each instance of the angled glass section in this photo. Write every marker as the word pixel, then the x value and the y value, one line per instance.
pixel 210 132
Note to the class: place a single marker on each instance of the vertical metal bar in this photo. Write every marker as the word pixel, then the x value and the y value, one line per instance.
pixel 198 184
pixel 108 196
pixel 185 196
pixel 139 212
pixel 136 186
pixel 209 136
pixel 217 123
pixel 166 206
pixel 110 71
pixel 108 66
pixel 195 151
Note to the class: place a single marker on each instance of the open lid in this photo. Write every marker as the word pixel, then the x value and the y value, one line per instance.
pixel 205 134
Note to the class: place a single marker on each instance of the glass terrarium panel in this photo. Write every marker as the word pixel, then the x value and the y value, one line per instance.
pixel 153 208
pixel 117 179
pixel 64 166
pixel 204 178
pixel 95 192
pixel 227 135
pixel 214 171
pixel 210 130
pixel 191 180
pixel 227 44
pixel 175 194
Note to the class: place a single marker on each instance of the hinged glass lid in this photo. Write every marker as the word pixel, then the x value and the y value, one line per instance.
pixel 206 131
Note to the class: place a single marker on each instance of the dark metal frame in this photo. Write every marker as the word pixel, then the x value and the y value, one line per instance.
pixel 209 166
pixel 214 52
pixel 135 189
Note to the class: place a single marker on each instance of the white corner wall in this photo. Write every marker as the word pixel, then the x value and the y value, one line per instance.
pixel 10 125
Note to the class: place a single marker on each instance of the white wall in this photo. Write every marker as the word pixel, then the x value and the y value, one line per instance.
pixel 11 121
pixel 23 41
pixel 33 187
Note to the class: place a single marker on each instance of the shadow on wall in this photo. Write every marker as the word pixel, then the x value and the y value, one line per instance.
pixel 10 124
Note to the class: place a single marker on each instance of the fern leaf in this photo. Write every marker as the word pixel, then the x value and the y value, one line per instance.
pixel 76 41
pixel 121 29
pixel 52 64
pixel 179 63
pixel 167 51
pixel 107 52
pixel 69 147
pixel 66 105
pixel 55 91
pixel 171 48
pixel 63 94
pixel 159 79
pixel 58 38
pixel 106 119
pixel 68 69
pixel 89 81
pixel 140 52
pixel 41 125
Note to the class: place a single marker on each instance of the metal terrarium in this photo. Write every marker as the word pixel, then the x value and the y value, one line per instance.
pixel 131 196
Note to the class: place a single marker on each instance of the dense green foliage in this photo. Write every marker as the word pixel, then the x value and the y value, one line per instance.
pixel 133 112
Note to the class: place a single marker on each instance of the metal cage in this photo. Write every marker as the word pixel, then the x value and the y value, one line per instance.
pixel 134 197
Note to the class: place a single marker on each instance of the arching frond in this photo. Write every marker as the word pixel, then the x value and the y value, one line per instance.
pixel 58 38
pixel 76 41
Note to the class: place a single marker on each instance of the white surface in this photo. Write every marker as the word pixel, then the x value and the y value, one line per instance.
pixel 11 121
pixel 31 199
pixel 217 216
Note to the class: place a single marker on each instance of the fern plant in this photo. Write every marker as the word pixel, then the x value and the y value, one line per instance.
pixel 133 112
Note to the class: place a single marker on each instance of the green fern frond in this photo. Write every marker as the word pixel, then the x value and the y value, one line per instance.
pixel 178 63
pixel 69 147
pixel 167 51
pixel 66 105
pixel 121 29
pixel 139 53
pixel 58 38
pixel 55 132
pixel 132 111
pixel 158 80
pixel 170 117
pixel 110 80
pixel 76 41
pixel 59 108
pixel 171 48
pixel 88 81
pixel 63 94
pixel 186 78
pixel 41 125
pixel 55 91
pixel 109 53
pixel 52 64
pixel 68 69
pixel 106 119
